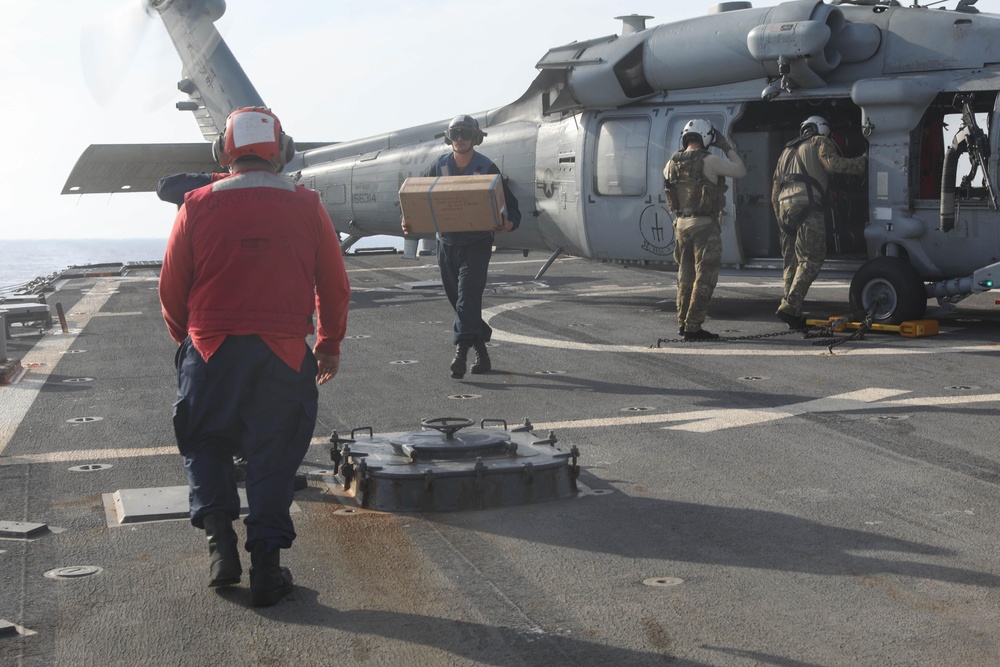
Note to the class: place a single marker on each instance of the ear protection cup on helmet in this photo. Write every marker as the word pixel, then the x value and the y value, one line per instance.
pixel 219 150
pixel 286 148
pixel 286 151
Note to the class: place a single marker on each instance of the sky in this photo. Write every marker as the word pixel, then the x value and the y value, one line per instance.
pixel 332 70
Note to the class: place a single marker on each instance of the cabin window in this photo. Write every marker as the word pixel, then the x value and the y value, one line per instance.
pixel 622 144
pixel 939 136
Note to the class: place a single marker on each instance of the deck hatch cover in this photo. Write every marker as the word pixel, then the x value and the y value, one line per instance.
pixel 444 468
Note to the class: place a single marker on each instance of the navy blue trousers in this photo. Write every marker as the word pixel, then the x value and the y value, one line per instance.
pixel 247 402
pixel 463 274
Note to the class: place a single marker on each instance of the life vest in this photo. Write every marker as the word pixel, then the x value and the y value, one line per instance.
pixel 793 170
pixel 688 192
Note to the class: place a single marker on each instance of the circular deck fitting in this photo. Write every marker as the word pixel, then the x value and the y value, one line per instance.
pixel 77 380
pixel 962 387
pixel 91 467
pixel 663 582
pixel 404 362
pixel 579 324
pixel 74 351
pixel 753 378
pixel 358 337
pixel 347 511
pixel 464 397
pixel 73 572
pixel 890 417
pixel 598 492
pixel 84 420
pixel 637 408
pixel 550 372
pixel 431 322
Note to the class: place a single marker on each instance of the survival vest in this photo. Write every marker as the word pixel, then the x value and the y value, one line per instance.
pixel 791 169
pixel 688 192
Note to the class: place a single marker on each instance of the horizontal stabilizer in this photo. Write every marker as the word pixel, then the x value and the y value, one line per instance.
pixel 114 168
pixel 111 168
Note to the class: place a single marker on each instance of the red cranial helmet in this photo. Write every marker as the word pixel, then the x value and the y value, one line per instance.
pixel 253 132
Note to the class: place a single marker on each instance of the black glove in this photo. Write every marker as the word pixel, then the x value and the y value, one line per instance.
pixel 722 143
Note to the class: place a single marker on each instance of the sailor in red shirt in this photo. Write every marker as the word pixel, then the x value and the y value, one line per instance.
pixel 249 261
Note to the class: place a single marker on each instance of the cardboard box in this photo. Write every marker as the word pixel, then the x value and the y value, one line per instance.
pixel 452 203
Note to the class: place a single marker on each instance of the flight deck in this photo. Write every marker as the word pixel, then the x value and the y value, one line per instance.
pixel 763 500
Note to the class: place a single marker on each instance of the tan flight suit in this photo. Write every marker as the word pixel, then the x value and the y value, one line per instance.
pixel 698 237
pixel 801 207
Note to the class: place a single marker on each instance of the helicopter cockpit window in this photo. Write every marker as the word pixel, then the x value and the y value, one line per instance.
pixel 622 144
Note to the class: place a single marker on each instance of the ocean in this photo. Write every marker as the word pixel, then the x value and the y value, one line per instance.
pixel 21 261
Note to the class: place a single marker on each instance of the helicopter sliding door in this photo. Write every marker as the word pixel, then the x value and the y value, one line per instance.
pixel 624 211
pixel 624 208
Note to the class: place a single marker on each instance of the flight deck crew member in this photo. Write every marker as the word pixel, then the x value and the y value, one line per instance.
pixel 249 260
pixel 694 182
pixel 801 203
pixel 464 257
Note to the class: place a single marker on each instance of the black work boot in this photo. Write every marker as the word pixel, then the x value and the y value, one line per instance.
pixel 269 582
pixel 223 550
pixel 794 322
pixel 458 363
pixel 700 334
pixel 482 362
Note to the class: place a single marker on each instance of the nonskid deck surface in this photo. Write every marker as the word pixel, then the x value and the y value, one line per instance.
pixel 750 502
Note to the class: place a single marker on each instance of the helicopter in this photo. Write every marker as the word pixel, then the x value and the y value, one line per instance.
pixel 583 148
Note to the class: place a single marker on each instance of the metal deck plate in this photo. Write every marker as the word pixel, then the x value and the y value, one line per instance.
pixel 21 529
pixel 157 504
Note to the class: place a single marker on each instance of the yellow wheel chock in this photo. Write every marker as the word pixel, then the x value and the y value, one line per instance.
pixel 915 329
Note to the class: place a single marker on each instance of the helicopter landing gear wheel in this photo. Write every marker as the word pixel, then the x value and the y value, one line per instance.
pixel 896 283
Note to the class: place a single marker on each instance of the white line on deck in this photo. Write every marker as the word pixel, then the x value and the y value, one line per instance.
pixel 707 421
pixel 17 398
pixel 713 349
